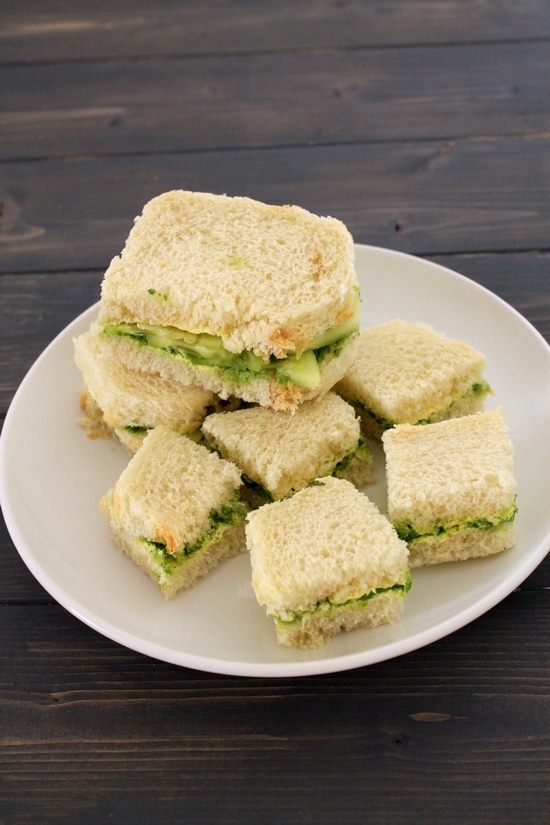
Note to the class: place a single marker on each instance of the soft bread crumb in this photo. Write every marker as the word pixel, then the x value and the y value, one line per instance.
pixel 462 545
pixel 315 629
pixel 284 452
pixel 405 372
pixel 131 397
pixel 263 278
pixel 169 489
pixel 195 567
pixel 453 471
pixel 326 542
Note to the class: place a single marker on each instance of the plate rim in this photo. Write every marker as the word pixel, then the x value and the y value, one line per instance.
pixel 230 667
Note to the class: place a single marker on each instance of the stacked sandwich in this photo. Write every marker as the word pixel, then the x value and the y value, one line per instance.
pixel 216 303
pixel 224 326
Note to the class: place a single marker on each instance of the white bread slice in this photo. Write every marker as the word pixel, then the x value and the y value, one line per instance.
pixel 465 544
pixel 96 427
pixel 131 398
pixel 184 575
pixel 172 506
pixel 451 487
pixel 175 369
pixel 263 278
pixel 326 560
pixel 282 452
pixel 404 373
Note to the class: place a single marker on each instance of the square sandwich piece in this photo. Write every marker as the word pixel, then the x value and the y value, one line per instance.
pixel 280 453
pixel 451 487
pixel 405 373
pixel 130 402
pixel 238 297
pixel 324 561
pixel 176 510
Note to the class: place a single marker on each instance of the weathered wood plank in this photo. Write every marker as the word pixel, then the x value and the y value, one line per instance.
pixel 33 31
pixel 274 100
pixel 17 583
pixel 33 311
pixel 463 712
pixel 423 197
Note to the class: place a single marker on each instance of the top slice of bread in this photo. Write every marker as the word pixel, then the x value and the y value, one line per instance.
pixel 263 278
pixel 132 398
pixel 327 542
pixel 281 451
pixel 450 472
pixel 405 372
pixel 170 488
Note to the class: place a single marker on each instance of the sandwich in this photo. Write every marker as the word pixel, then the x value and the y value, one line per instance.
pixel 326 560
pixel 176 510
pixel 451 487
pixel 129 402
pixel 280 453
pixel 405 373
pixel 235 296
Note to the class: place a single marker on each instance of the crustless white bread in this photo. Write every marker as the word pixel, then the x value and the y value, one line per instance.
pixel 176 510
pixel 451 487
pixel 282 453
pixel 326 560
pixel 236 296
pixel 405 373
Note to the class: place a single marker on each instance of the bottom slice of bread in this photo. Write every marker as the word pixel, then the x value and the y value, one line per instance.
pixel 190 568
pixel 360 472
pixel 469 543
pixel 315 628
pixel 460 408
pixel 266 391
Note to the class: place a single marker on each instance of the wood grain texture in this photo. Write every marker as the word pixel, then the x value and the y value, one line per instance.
pixel 274 100
pixel 33 30
pixel 18 585
pixel 33 310
pixel 423 197
pixel 91 729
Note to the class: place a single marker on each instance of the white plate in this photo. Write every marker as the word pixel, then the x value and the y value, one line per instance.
pixel 52 477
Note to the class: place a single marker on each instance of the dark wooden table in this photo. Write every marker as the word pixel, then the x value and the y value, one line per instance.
pixel 424 125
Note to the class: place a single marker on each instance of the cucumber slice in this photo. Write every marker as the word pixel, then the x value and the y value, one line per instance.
pixel 302 371
pixel 340 331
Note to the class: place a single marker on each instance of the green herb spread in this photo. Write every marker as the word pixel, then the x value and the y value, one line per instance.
pixel 328 605
pixel 219 521
pixel 205 350
pixel 478 389
pixel 359 453
pixel 410 534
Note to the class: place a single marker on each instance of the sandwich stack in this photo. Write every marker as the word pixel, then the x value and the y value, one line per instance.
pixel 227 322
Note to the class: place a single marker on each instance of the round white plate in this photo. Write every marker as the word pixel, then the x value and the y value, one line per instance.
pixel 52 477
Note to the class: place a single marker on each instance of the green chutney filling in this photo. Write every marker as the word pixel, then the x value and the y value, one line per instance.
pixel 205 350
pixel 359 453
pixel 218 522
pixel 327 605
pixel 478 389
pixel 408 532
pixel 194 435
